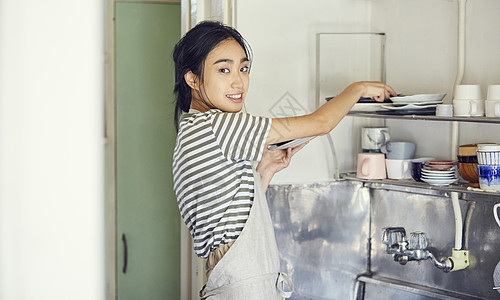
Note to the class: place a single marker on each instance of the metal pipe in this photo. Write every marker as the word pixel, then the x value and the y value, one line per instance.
pixel 444 265
pixel 461 44
pixel 458 220
pixel 455 128
pixel 460 71
pixel 336 172
pixel 468 216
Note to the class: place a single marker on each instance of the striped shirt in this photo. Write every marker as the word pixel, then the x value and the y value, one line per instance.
pixel 213 178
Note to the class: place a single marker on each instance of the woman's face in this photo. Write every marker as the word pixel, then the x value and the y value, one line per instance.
pixel 225 79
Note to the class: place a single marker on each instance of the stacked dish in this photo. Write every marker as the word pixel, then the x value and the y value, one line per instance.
pixel 415 102
pixel 415 99
pixel 439 172
pixel 422 104
pixel 442 165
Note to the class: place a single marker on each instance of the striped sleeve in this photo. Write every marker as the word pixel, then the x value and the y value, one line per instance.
pixel 241 136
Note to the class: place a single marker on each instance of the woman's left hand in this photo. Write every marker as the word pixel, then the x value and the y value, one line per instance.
pixel 274 161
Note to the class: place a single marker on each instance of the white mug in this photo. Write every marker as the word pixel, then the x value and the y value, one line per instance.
pixel 492 108
pixel 495 213
pixel 493 92
pixel 465 108
pixel 467 91
pixel 479 105
pixel 372 138
pixel 398 168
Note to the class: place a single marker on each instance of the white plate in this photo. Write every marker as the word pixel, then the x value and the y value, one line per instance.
pixel 290 144
pixel 439 177
pixel 418 103
pixel 435 174
pixel 367 106
pixel 445 172
pixel 418 98
pixel 440 182
pixel 438 173
pixel 409 106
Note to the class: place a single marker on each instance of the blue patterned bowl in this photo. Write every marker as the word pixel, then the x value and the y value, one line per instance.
pixel 489 177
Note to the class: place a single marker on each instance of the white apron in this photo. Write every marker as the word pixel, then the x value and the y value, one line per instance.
pixel 250 268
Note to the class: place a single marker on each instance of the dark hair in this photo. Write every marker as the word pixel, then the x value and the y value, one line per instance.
pixel 191 52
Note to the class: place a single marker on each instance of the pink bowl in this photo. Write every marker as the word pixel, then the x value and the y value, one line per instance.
pixel 440 164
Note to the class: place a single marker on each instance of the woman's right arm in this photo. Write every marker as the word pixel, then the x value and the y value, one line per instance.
pixel 325 118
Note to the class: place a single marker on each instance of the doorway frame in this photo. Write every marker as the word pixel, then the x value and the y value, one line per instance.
pixel 110 144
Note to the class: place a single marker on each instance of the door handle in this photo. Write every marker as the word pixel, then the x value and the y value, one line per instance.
pixel 125 253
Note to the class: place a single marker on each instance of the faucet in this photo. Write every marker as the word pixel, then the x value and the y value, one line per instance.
pixel 404 250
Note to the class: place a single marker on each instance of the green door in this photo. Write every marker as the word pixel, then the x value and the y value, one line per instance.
pixel 148 220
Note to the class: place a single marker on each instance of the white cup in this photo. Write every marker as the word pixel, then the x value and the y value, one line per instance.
pixel 465 108
pixel 488 147
pixel 398 168
pixel 479 105
pixel 488 154
pixel 495 213
pixel 492 108
pixel 372 138
pixel 493 92
pixel 444 110
pixel 468 92
pixel 488 157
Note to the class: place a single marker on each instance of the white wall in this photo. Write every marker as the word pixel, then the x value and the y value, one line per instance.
pixel 421 57
pixel 422 43
pixel 282 35
pixel 51 150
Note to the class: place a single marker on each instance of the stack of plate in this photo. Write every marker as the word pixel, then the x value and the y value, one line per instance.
pixel 415 102
pixel 439 173
pixel 418 99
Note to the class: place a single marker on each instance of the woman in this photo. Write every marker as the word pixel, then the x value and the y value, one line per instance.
pixel 216 173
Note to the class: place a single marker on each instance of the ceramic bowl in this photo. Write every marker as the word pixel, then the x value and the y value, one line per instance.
pixel 467 159
pixel 467 150
pixel 489 177
pixel 488 147
pixel 440 164
pixel 468 171
pixel 488 157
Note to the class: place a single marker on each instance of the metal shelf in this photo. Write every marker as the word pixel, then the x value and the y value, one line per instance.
pixel 422 187
pixel 423 117
pixel 411 186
